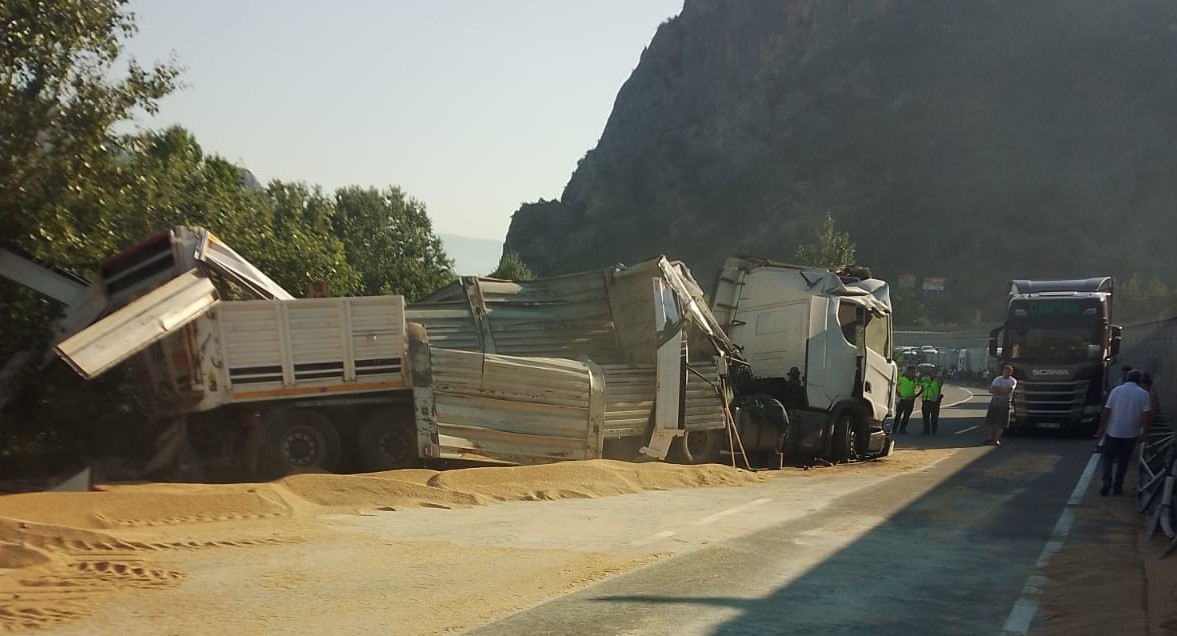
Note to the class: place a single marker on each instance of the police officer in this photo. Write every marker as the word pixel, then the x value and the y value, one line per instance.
pixel 906 390
pixel 931 394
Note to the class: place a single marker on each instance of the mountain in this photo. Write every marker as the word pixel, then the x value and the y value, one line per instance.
pixel 974 141
pixel 472 256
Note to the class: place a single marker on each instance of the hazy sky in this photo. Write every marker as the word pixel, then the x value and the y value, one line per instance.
pixel 472 106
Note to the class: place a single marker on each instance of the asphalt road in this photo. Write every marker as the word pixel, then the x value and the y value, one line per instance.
pixel 946 549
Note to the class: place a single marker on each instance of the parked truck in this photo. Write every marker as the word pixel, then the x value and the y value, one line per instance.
pixel 818 379
pixel 1059 338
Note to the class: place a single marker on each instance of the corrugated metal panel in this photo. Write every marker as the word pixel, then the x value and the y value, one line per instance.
pixel 704 404
pixel 448 325
pixel 629 399
pixel 512 408
pixel 133 328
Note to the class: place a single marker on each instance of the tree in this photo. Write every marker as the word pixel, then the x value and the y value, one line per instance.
pixel 60 98
pixel 830 249
pixel 389 240
pixel 512 267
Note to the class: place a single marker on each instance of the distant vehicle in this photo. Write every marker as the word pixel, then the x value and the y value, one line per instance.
pixel 1059 338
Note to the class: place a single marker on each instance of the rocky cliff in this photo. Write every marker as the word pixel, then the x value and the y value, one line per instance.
pixel 976 140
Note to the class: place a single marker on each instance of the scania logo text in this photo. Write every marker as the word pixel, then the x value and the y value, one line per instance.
pixel 1049 372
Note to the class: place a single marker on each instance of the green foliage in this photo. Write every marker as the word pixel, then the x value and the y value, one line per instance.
pixel 512 267
pixel 74 190
pixel 830 249
pixel 390 241
pixel 60 96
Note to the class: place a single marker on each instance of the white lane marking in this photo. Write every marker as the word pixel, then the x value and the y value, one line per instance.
pixel 965 430
pixel 665 534
pixel 1026 607
pixel 730 511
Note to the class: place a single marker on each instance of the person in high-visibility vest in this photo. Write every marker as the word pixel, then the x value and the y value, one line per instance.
pixel 931 394
pixel 906 390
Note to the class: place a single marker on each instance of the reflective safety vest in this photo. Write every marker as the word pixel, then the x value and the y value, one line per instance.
pixel 931 389
pixel 905 387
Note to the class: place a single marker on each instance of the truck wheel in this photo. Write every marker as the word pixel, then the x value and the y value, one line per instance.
pixel 297 440
pixel 845 446
pixel 388 440
pixel 698 447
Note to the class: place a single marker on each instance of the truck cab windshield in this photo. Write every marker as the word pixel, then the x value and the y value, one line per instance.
pixel 1069 344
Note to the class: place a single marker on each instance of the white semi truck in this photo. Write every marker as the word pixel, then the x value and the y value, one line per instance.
pixel 818 379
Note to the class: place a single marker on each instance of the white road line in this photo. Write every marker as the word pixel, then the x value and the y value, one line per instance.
pixel 1026 607
pixel 965 430
pixel 730 511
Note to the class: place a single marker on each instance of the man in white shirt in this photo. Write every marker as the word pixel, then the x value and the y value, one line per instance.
pixel 997 416
pixel 1125 418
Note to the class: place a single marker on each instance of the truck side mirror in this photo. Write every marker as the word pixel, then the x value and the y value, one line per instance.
pixel 1114 349
pixel 993 342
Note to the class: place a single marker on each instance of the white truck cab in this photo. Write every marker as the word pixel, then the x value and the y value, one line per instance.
pixel 817 345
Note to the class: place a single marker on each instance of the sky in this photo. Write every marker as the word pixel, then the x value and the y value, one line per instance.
pixel 471 106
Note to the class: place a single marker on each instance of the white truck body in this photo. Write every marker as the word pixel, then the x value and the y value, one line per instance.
pixel 834 330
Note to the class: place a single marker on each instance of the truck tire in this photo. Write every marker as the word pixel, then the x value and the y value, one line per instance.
pixel 388 440
pixel 297 440
pixel 846 439
pixel 698 447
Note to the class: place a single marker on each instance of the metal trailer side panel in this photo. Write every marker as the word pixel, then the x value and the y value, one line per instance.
pixel 313 346
pixel 514 409
pixel 629 399
pixel 704 402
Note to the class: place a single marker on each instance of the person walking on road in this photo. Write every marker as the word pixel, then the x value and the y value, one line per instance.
pixel 1125 418
pixel 906 390
pixel 931 394
pixel 997 417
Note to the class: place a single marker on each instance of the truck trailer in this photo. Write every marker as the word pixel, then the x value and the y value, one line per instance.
pixel 1059 338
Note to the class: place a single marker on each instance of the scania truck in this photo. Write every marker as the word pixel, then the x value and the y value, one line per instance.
pixel 1059 338
pixel 818 380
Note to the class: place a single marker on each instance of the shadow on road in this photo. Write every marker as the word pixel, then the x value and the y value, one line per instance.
pixel 953 560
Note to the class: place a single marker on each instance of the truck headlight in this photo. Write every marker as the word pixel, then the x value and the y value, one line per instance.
pixel 1091 410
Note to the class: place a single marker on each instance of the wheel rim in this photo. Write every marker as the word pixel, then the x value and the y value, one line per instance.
pixel 851 440
pixel 302 447
pixel 395 446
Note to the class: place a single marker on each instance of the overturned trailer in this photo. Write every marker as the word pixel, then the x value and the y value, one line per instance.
pixel 515 365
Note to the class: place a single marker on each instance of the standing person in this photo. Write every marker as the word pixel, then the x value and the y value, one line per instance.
pixel 906 389
pixel 1125 417
pixel 997 417
pixel 931 394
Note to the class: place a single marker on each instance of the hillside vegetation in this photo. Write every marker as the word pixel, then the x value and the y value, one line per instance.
pixel 974 141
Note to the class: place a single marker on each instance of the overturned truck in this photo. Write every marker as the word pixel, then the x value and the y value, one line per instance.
pixel 275 384
pixel 622 362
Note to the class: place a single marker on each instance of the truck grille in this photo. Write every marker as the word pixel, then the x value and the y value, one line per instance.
pixel 1046 400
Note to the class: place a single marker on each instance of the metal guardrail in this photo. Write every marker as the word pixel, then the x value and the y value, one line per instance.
pixel 1157 476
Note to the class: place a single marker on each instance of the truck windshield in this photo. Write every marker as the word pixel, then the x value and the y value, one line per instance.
pixel 1068 344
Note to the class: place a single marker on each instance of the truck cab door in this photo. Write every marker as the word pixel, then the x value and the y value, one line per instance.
pixel 873 341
